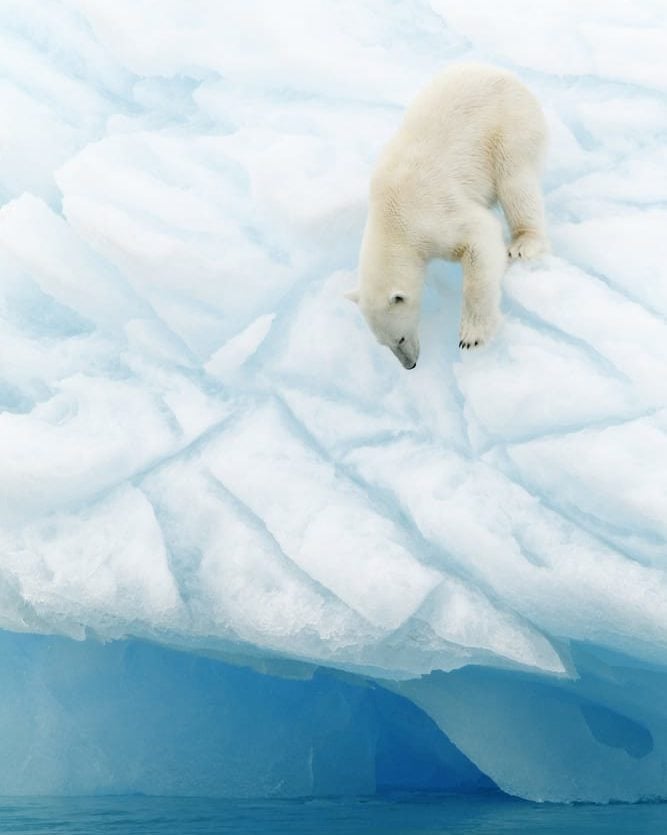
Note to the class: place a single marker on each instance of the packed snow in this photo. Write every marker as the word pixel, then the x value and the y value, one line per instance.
pixel 201 443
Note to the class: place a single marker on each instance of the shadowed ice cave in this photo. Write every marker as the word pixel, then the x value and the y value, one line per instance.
pixel 129 716
pixel 84 717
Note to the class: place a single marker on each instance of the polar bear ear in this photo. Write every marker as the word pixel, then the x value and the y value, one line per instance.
pixel 353 296
pixel 397 297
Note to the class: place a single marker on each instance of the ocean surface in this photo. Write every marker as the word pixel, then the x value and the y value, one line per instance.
pixel 453 815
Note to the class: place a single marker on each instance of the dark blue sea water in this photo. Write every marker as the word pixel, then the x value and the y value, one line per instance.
pixel 453 815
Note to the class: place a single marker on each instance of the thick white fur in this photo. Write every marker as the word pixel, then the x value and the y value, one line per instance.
pixel 473 137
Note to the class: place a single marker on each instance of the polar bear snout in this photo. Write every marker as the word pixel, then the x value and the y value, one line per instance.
pixel 407 352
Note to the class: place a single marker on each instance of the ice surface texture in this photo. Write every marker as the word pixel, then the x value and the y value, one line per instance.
pixel 202 446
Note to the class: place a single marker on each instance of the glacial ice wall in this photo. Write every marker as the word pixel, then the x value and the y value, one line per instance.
pixel 128 717
pixel 201 444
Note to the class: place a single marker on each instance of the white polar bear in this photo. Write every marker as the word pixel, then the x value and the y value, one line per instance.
pixel 473 137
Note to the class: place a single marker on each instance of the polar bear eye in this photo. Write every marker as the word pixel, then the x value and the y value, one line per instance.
pixel 401 340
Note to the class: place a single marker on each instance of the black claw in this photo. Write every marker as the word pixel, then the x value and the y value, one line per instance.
pixel 477 342
pixel 460 344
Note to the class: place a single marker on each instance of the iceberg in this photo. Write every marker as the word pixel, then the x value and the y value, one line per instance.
pixel 234 532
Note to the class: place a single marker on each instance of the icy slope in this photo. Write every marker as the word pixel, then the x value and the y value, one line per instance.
pixel 200 442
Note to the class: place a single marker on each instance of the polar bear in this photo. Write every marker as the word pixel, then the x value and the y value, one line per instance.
pixel 473 137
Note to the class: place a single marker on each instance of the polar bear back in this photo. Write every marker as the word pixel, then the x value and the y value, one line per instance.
pixel 471 126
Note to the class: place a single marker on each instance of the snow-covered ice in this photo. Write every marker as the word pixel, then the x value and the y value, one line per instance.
pixel 202 446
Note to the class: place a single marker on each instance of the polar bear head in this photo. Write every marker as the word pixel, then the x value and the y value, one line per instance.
pixel 394 319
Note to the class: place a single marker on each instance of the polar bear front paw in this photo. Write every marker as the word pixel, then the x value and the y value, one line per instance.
pixel 476 330
pixel 527 245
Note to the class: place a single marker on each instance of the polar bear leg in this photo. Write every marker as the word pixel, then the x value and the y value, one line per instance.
pixel 521 198
pixel 484 260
